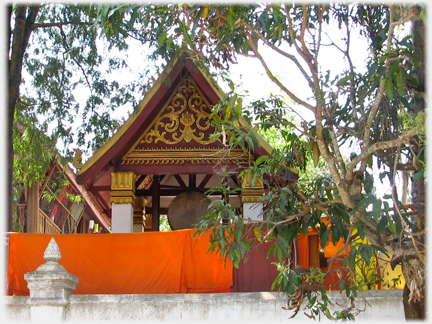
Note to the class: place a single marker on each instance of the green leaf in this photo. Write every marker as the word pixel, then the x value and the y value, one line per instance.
pixel 381 225
pixel 365 202
pixel 377 209
pixel 327 314
pixel 162 38
pixel 400 82
pixel 293 278
pixel 324 237
pixel 344 80
pixel 197 17
pixel 360 230
pixel 261 159
pixel 389 87
pixel 250 143
pixel 391 225
pixel 230 19
pixel 366 253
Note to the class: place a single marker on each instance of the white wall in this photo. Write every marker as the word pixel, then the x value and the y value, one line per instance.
pixel 260 307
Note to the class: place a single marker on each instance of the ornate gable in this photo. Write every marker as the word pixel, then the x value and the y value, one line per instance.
pixel 182 133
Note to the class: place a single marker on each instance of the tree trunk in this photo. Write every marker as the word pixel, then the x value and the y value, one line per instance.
pixel 413 267
pixel 24 19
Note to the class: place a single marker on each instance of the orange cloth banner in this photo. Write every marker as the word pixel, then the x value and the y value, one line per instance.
pixel 136 263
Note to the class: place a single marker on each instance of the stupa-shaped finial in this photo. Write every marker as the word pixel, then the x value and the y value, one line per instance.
pixel 52 252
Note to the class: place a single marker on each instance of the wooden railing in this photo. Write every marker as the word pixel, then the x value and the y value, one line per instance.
pixel 46 225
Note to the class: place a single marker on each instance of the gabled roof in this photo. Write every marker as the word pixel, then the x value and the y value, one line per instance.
pixel 111 154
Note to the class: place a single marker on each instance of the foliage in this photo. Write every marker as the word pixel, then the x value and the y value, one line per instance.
pixel 353 109
pixel 68 86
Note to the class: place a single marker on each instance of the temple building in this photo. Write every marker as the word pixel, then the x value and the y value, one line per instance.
pixel 163 159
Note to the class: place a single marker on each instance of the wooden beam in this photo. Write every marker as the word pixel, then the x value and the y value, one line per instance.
pixel 205 180
pixel 100 188
pixel 162 211
pixel 180 180
pixel 140 180
pixel 192 180
pixel 173 192
pixel 101 202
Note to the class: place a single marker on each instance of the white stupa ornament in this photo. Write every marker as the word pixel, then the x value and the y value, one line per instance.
pixel 52 252
pixel 51 256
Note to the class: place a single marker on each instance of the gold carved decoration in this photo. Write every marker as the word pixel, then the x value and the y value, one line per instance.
pixel 123 181
pixel 123 188
pixel 253 188
pixel 185 155
pixel 21 217
pixel 122 200
pixel 252 195
pixel 185 118
pixel 148 221
pixel 76 162
pixel 247 181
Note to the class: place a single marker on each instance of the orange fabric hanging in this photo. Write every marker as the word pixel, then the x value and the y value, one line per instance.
pixel 303 250
pixel 205 270
pixel 330 249
pixel 137 263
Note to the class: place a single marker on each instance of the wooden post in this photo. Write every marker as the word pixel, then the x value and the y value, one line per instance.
pixel 155 203
pixel 33 208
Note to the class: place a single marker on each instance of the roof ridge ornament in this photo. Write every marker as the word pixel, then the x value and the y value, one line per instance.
pixel 76 162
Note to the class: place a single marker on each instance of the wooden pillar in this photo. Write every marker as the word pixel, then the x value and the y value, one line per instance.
pixel 33 208
pixel 155 203
pixel 192 180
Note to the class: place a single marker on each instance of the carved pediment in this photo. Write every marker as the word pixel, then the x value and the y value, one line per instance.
pixel 183 120
pixel 182 132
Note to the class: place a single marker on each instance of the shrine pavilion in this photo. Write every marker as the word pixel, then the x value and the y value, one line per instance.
pixel 164 158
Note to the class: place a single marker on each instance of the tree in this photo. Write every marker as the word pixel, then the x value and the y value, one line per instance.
pixel 57 59
pixel 376 114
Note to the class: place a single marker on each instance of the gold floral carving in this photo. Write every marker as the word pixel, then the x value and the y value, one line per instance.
pixel 123 188
pixel 185 155
pixel 122 200
pixel 252 193
pixel 249 179
pixel 123 181
pixel 185 118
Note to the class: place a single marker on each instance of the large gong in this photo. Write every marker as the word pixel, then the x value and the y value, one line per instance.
pixel 186 209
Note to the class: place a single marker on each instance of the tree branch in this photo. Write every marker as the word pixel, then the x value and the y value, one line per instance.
pixel 375 147
pixel 275 80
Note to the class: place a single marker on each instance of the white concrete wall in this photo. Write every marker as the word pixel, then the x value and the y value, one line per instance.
pixel 260 307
